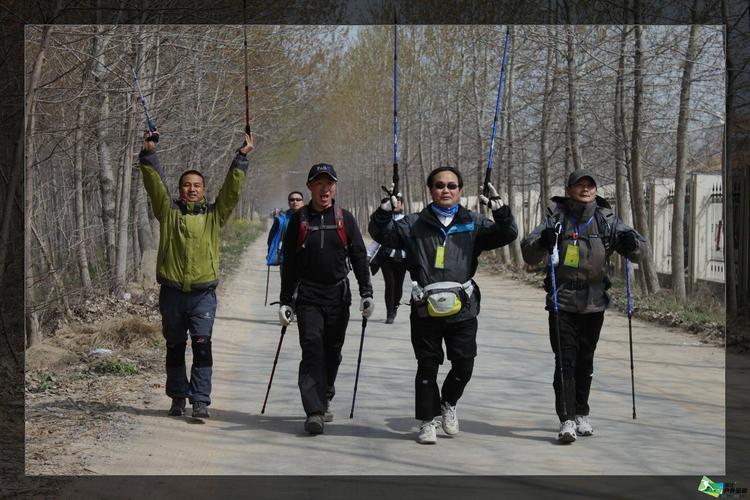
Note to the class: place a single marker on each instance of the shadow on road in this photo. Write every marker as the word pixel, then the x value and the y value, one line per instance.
pixel 474 427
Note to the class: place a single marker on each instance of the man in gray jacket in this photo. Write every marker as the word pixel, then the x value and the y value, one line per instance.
pixel 584 229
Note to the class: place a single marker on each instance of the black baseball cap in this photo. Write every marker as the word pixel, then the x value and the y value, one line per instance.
pixel 579 174
pixel 321 168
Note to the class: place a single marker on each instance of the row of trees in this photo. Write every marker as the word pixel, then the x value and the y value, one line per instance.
pixel 88 220
pixel 623 101
pixel 628 102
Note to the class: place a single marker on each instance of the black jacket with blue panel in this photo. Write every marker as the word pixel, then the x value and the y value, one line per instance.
pixel 464 239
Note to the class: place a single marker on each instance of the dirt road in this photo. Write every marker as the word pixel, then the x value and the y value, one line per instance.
pixel 508 424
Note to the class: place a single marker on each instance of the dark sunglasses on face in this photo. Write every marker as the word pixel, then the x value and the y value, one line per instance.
pixel 290 200
pixel 440 185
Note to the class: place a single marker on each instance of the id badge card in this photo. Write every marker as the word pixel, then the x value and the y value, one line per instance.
pixel 571 256
pixel 440 257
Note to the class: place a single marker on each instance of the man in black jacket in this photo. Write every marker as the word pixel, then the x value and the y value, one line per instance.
pixel 443 243
pixel 320 240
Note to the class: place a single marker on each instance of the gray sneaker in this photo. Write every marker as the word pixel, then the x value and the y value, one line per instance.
pixel 328 415
pixel 427 432
pixel 450 420
pixel 567 432
pixel 583 425
pixel 314 424
pixel 200 410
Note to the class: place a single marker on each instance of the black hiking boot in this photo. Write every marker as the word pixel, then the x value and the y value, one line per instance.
pixel 178 407
pixel 200 410
pixel 390 317
pixel 314 424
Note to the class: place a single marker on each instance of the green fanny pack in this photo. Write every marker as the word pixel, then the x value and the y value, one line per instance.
pixel 446 298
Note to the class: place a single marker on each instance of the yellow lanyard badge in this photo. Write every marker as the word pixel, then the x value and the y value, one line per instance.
pixel 440 257
pixel 571 256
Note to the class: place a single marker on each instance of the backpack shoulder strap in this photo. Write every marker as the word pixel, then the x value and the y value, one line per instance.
pixel 604 228
pixel 302 236
pixel 340 229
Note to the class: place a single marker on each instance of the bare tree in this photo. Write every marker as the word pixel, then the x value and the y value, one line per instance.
pixel 678 206
pixel 636 177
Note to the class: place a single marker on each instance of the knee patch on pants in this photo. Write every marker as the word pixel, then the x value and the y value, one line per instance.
pixel 462 368
pixel 427 370
pixel 176 354
pixel 202 351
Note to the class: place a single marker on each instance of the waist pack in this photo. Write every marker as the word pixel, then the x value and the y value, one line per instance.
pixel 446 298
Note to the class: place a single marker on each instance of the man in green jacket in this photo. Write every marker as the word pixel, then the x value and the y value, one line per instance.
pixel 188 268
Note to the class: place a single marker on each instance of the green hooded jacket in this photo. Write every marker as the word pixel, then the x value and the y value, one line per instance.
pixel 188 257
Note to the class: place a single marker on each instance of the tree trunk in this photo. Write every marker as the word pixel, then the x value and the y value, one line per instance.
pixel 479 115
pixel 549 91
pixel 730 264
pixel 575 152
pixel 83 259
pixel 33 334
pixel 678 207
pixel 636 178
pixel 126 166
pixel 106 174
pixel 516 260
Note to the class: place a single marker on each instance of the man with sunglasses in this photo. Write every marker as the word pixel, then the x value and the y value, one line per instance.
pixel 320 242
pixel 443 243
pixel 295 199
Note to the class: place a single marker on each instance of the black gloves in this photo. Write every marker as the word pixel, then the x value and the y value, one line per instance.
pixel 628 242
pixel 548 238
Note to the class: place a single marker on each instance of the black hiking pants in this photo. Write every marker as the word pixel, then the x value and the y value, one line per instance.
pixel 579 334
pixel 427 337
pixel 322 329
pixel 393 275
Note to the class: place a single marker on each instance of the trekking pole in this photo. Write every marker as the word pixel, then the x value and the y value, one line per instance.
pixel 488 172
pixel 247 91
pixel 268 278
pixel 552 263
pixel 394 190
pixel 273 370
pixel 630 331
pixel 149 121
pixel 359 360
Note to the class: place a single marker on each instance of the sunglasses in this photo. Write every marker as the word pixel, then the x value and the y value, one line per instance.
pixel 440 185
pixel 294 199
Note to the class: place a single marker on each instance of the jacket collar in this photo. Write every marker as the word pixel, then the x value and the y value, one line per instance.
pixel 192 207
pixel 463 216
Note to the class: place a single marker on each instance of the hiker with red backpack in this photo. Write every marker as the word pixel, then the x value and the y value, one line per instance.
pixel 320 242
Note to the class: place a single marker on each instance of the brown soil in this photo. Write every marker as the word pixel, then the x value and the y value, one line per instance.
pixel 75 396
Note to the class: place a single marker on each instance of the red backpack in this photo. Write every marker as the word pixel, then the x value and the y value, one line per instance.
pixel 305 228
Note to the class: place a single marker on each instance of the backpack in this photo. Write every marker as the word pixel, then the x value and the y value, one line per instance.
pixel 305 228
pixel 275 256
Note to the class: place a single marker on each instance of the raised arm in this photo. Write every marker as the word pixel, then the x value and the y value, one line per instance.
pixel 153 176
pixel 229 194
pixel 384 229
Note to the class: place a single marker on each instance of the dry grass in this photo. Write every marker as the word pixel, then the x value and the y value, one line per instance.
pixel 125 333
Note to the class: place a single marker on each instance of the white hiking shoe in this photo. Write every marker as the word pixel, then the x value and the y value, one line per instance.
pixel 427 432
pixel 450 421
pixel 583 426
pixel 567 432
